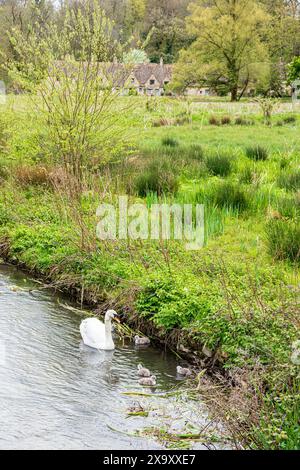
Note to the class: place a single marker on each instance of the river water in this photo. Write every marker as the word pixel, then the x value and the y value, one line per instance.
pixel 56 393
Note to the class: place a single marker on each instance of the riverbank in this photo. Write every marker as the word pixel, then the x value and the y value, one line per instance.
pixel 235 319
pixel 63 395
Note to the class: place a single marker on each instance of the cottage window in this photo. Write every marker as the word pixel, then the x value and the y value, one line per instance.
pixel 152 82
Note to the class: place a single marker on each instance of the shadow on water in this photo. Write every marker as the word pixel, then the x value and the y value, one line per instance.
pixel 56 392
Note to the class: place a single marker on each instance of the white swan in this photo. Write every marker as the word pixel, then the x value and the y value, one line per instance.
pixel 97 334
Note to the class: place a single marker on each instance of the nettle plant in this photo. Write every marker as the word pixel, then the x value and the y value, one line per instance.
pixel 75 88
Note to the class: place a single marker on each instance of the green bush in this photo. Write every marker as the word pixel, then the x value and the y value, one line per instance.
pixel 230 196
pixel 284 239
pixel 157 178
pixel 289 180
pixel 219 164
pixel 169 142
pixel 257 152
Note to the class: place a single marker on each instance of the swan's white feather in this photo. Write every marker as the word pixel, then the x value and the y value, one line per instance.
pixel 93 333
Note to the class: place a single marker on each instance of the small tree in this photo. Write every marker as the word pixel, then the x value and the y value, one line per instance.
pixel 74 86
pixel 267 106
pixel 135 56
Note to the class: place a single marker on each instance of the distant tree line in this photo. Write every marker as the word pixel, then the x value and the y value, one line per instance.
pixel 228 45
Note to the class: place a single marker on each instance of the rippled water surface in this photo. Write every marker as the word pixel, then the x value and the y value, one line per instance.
pixel 57 393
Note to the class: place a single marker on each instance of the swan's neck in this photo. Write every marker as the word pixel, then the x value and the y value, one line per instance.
pixel 108 336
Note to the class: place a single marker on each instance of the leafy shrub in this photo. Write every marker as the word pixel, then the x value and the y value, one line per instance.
pixel 35 175
pixel 157 178
pixel 289 180
pixel 257 152
pixel 219 164
pixel 225 120
pixel 169 142
pixel 213 121
pixel 171 305
pixel 284 239
pixel 230 196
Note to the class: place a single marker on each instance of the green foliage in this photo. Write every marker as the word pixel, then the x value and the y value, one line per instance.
pixel 219 164
pixel 135 56
pixel 170 305
pixel 234 57
pixel 294 70
pixel 157 178
pixel 289 180
pixel 193 152
pixel 249 175
pixel 288 207
pixel 279 425
pixel 257 152
pixel 77 97
pixel 231 196
pixel 169 142
pixel 284 239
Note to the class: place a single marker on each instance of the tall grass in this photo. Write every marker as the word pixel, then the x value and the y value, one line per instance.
pixel 257 152
pixel 156 178
pixel 230 196
pixel 219 164
pixel 289 180
pixel 283 238
pixel 169 142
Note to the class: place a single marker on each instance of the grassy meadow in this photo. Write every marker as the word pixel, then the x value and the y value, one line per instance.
pixel 234 303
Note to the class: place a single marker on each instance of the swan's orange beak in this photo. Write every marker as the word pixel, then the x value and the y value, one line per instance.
pixel 117 319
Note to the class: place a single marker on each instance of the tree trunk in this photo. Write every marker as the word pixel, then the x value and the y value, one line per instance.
pixel 234 92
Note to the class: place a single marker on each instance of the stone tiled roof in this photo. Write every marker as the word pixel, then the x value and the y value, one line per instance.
pixel 161 72
pixel 121 73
